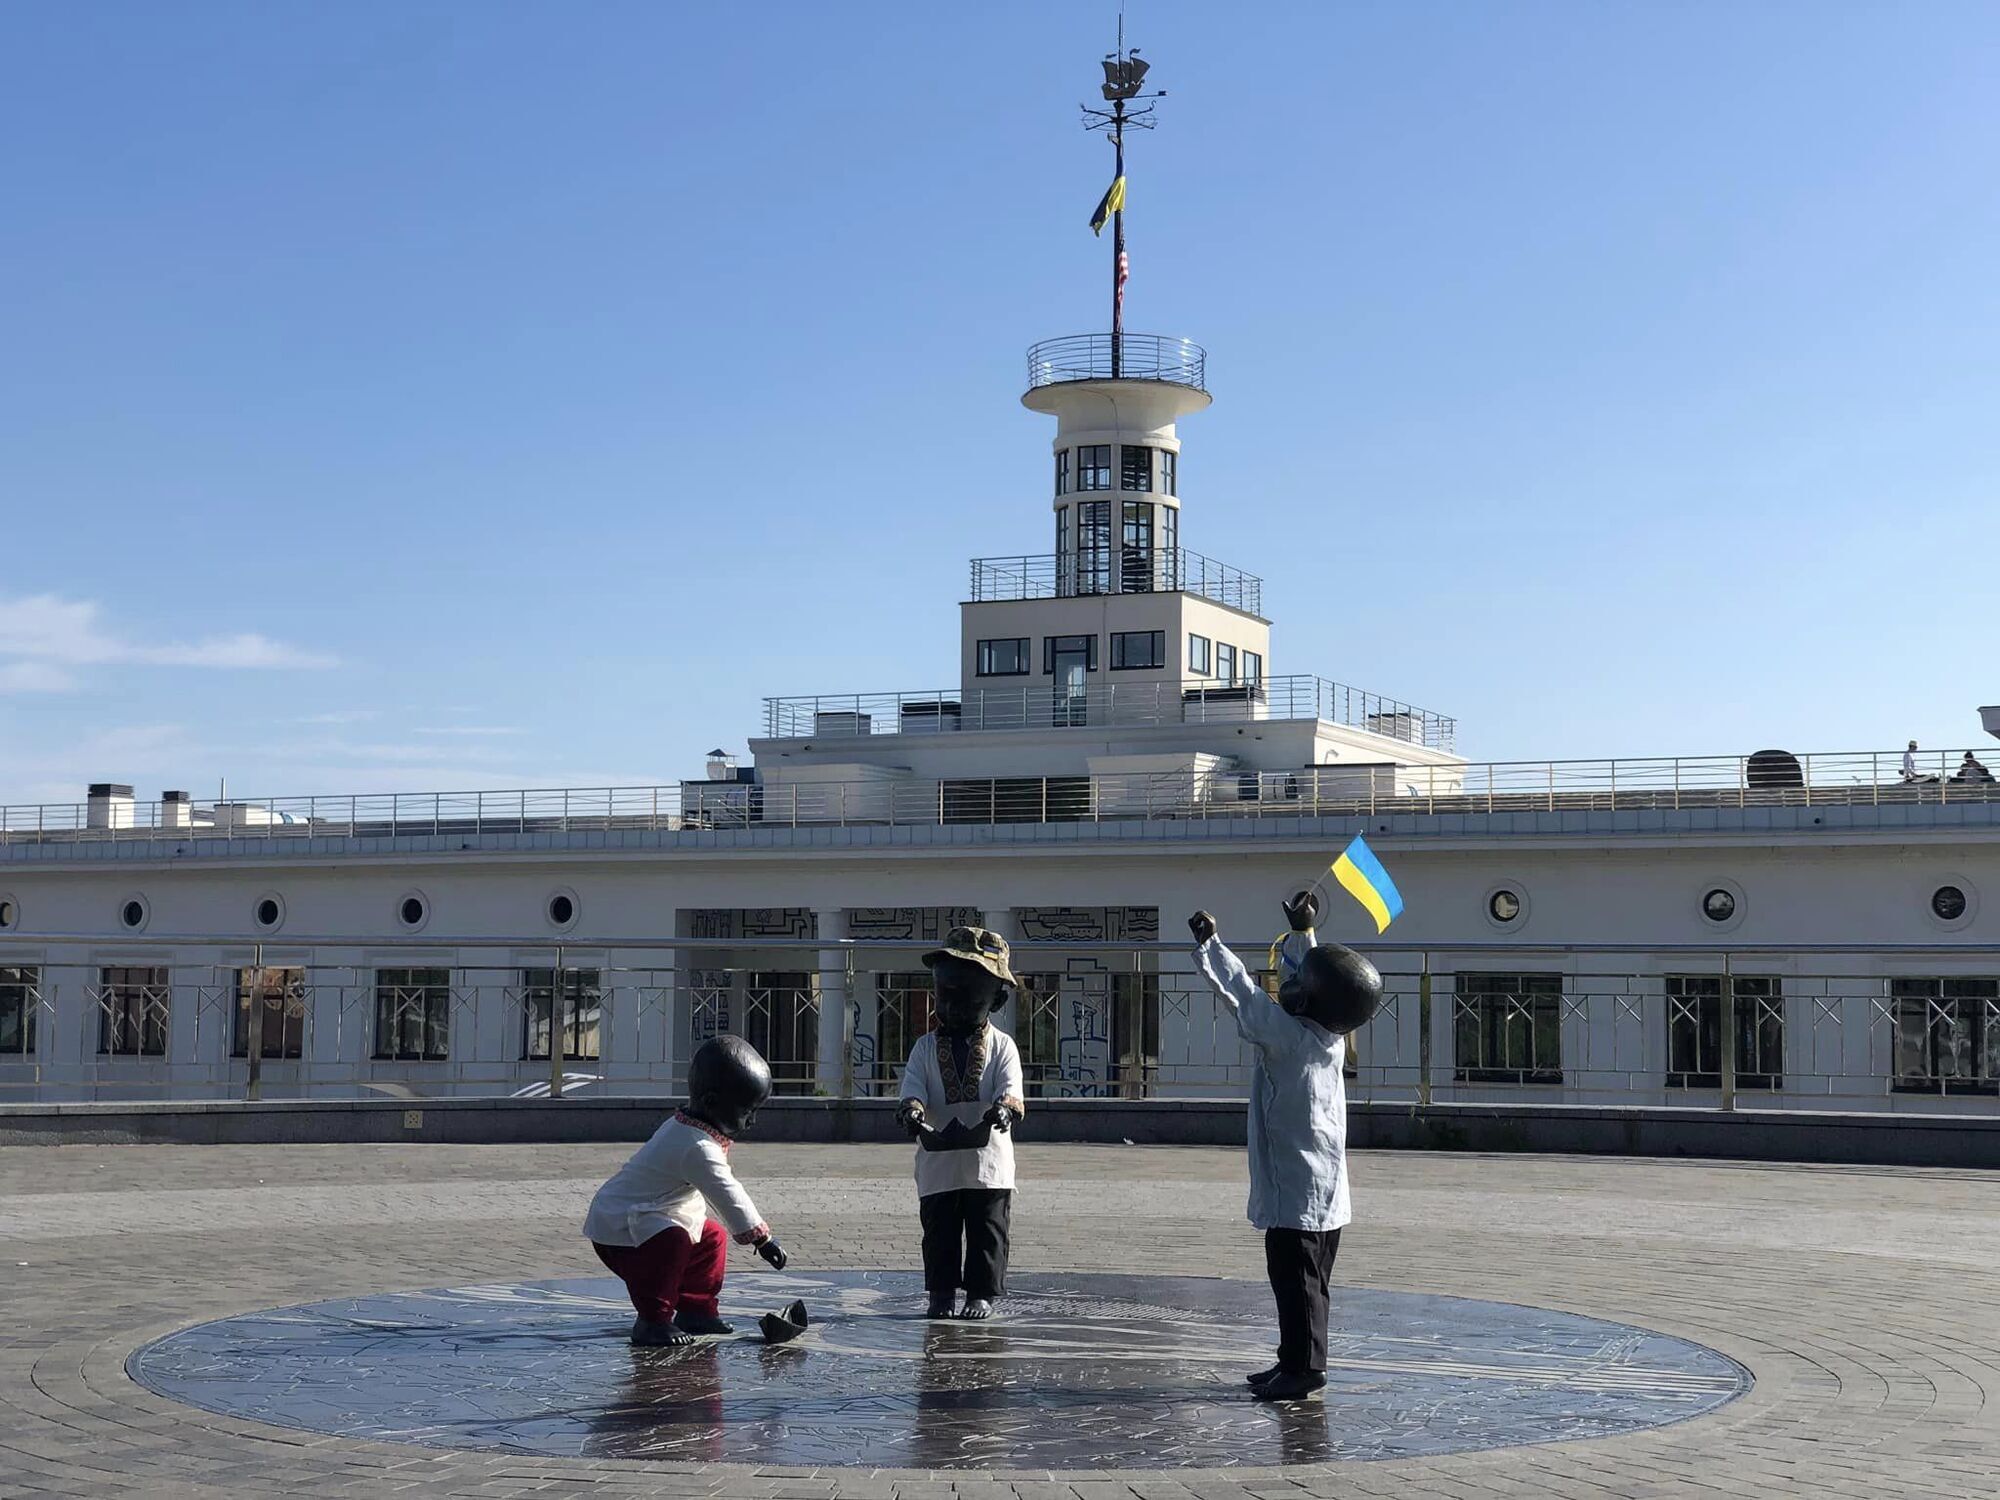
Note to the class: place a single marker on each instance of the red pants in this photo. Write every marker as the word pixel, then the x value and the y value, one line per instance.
pixel 671 1271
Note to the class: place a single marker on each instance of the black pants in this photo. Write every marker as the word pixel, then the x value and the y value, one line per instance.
pixel 977 1219
pixel 1300 1265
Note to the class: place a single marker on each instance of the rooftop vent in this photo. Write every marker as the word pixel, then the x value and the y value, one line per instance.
pixel 721 765
pixel 109 805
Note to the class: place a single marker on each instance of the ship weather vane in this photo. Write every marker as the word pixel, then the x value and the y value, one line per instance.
pixel 1124 76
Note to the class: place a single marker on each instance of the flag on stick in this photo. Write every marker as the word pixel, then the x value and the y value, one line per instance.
pixel 1361 875
pixel 1112 202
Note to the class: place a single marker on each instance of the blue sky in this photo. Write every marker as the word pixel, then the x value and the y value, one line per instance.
pixel 400 396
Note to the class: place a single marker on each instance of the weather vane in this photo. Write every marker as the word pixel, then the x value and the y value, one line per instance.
pixel 1124 76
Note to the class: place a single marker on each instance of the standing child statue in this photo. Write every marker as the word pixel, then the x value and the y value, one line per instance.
pixel 651 1222
pixel 961 1097
pixel 1298 1123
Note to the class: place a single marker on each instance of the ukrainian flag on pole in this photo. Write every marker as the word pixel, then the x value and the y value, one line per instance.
pixel 1361 875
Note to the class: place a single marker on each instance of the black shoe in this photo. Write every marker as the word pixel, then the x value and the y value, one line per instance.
pixel 1264 1377
pixel 700 1323
pixel 942 1307
pixel 649 1335
pixel 1290 1385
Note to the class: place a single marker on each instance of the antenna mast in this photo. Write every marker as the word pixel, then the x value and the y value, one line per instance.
pixel 1124 72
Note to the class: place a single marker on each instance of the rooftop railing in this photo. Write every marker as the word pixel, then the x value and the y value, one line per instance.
pixel 1104 703
pixel 1124 356
pixel 1846 779
pixel 1116 570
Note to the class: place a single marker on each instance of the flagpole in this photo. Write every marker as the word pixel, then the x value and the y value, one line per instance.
pixel 1118 231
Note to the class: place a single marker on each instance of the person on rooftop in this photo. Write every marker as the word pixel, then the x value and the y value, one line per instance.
pixel 1910 762
pixel 1970 769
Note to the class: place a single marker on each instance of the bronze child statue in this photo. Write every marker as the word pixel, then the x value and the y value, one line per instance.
pixel 961 1097
pixel 1298 1123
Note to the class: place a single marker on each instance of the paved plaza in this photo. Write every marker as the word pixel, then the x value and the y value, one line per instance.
pixel 1864 1302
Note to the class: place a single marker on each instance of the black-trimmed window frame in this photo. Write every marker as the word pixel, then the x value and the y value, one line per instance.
pixel 284 1002
pixel 1135 462
pixel 1096 467
pixel 126 1011
pixel 20 1001
pixel 1153 654
pixel 1228 678
pixel 1916 1002
pixel 1170 473
pixel 1049 649
pixel 1501 1051
pixel 1062 471
pixel 1694 1042
pixel 1201 663
pixel 1253 667
pixel 433 1026
pixel 582 1018
pixel 984 657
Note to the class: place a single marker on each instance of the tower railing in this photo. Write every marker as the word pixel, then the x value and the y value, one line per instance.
pixel 1121 356
pixel 1115 570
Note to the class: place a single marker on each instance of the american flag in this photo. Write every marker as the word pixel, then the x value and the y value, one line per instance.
pixel 1124 270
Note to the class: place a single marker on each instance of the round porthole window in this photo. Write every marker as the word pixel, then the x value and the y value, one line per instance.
pixel 10 914
pixel 1506 906
pixel 133 913
pixel 413 910
pixel 269 912
pixel 563 909
pixel 1719 905
pixel 1953 902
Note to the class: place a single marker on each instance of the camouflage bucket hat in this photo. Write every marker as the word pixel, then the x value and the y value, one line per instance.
pixel 976 945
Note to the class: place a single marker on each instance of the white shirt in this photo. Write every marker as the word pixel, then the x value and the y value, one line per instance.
pixel 1298 1104
pixel 674 1179
pixel 993 1074
pixel 1909 765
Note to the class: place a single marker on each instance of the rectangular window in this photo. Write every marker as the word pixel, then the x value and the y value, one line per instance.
pixel 1132 649
pixel 1508 1028
pixel 413 1015
pixel 1135 469
pixel 1947 1035
pixel 1170 544
pixel 1225 662
pixel 20 1000
pixel 1253 667
pixel 1170 472
pixel 903 1013
pixel 275 1000
pixel 1062 471
pixel 1007 657
pixel 133 1006
pixel 1093 467
pixel 582 1013
pixel 1135 1034
pixel 781 1020
pixel 1037 1027
pixel 1694 1031
pixel 1093 547
pixel 1136 556
pixel 1065 569
pixel 1198 655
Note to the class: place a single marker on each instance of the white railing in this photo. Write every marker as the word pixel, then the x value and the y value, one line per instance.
pixel 1845 779
pixel 1105 702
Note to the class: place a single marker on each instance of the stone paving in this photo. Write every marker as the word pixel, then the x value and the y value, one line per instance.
pixel 1866 1301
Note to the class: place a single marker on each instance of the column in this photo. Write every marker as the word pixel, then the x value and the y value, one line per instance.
pixel 834 1073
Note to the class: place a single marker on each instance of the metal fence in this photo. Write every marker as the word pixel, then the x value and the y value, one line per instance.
pixel 1892 1028
pixel 1111 569
pixel 1846 779
pixel 1105 703
pixel 1120 356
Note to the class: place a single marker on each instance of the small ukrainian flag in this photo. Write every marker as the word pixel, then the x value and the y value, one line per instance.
pixel 1361 875
pixel 1112 202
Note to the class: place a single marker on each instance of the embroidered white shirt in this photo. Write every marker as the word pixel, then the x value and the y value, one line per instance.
pixel 676 1178
pixel 993 1072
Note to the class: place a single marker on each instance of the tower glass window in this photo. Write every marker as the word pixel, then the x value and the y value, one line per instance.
pixel 1062 471
pixel 1135 469
pixel 1093 467
pixel 1170 543
pixel 1135 565
pixel 1198 654
pixel 1170 472
pixel 1065 565
pixel 1093 547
